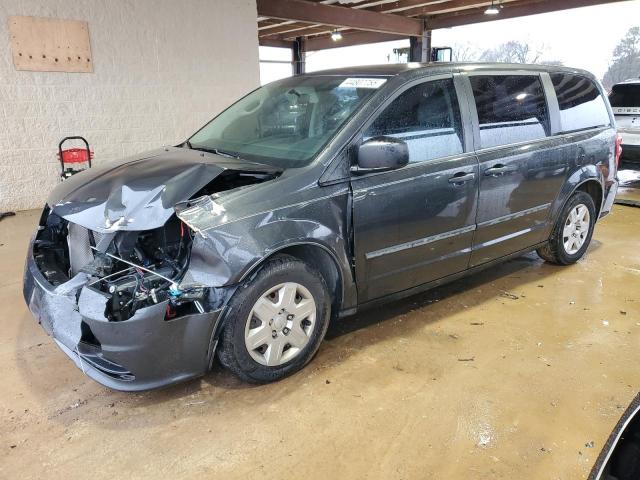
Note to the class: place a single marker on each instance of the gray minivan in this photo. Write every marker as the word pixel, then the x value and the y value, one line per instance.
pixel 309 199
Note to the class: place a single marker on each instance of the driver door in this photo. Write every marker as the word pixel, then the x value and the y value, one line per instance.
pixel 415 224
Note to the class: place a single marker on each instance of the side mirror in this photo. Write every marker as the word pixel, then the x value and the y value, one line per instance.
pixel 380 154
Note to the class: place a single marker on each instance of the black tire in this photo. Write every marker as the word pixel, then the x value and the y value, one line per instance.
pixel 554 251
pixel 232 351
pixel 626 462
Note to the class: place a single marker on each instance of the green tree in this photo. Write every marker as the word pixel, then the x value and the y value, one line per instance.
pixel 626 59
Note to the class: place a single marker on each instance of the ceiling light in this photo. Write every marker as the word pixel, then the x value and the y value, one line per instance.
pixel 336 36
pixel 492 10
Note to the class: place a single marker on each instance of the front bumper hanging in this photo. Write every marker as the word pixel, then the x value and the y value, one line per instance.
pixel 144 352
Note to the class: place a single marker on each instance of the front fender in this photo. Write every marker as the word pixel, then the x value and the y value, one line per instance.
pixel 224 254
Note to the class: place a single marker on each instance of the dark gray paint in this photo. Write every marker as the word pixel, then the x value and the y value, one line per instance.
pixel 412 225
pixel 140 193
pixel 158 352
pixel 389 234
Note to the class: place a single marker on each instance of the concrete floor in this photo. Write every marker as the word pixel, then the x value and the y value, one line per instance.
pixel 512 373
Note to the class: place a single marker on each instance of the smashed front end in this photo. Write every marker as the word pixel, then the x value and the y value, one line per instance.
pixel 112 303
pixel 114 298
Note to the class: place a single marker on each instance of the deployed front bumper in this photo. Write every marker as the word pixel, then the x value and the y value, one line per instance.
pixel 147 351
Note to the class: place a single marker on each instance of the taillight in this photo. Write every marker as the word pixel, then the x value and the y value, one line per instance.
pixel 618 149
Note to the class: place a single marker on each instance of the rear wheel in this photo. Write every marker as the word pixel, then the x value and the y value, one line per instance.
pixel 277 320
pixel 573 231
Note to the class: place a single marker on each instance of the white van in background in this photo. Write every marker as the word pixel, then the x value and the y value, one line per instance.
pixel 625 101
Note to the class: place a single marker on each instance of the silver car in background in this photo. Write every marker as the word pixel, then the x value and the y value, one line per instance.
pixel 625 101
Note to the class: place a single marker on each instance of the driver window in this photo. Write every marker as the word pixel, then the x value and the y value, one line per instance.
pixel 427 117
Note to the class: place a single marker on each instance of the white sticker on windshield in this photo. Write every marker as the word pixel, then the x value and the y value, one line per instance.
pixel 358 82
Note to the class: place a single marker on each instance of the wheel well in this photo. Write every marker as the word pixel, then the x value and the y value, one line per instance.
pixel 593 188
pixel 325 264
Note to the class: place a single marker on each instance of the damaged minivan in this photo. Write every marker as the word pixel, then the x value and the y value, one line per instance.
pixel 309 199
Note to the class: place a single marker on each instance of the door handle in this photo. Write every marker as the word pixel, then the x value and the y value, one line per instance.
pixel 461 178
pixel 499 170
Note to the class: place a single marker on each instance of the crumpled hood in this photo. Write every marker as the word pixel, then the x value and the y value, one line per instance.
pixel 139 193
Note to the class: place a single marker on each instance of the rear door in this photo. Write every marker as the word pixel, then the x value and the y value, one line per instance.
pixel 521 168
pixel 415 224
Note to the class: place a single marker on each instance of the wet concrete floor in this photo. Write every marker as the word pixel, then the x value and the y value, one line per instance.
pixel 510 373
pixel 629 185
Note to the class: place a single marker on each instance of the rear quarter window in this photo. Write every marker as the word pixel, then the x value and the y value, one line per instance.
pixel 581 103
pixel 511 109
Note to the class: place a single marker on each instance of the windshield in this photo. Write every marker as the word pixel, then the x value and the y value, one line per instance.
pixel 286 123
pixel 625 96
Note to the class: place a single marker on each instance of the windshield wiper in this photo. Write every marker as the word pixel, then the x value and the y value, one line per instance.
pixel 215 151
pixel 224 153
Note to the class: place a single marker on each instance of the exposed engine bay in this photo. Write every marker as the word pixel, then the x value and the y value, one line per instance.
pixel 134 269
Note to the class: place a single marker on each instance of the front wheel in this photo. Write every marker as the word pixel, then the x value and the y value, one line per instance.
pixel 277 320
pixel 573 231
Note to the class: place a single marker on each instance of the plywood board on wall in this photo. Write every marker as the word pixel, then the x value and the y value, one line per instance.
pixel 50 44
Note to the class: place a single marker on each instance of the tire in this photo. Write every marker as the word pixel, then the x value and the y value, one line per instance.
pixel 253 309
pixel 626 462
pixel 556 250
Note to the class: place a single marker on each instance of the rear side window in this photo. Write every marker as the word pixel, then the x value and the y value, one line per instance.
pixel 625 96
pixel 511 109
pixel 427 117
pixel 581 104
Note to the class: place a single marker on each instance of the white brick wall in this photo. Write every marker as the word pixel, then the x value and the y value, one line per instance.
pixel 161 69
